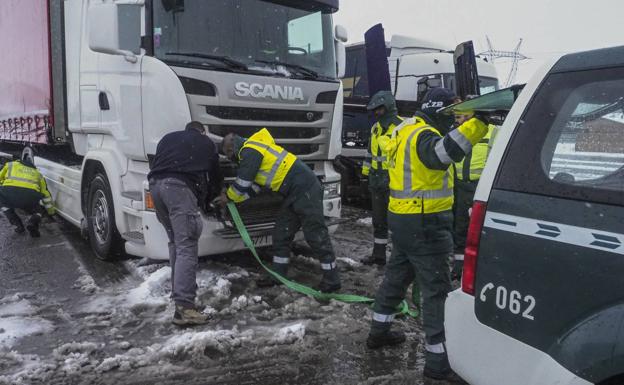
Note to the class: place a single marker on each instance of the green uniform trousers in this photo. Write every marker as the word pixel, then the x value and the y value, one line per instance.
pixel 378 185
pixel 464 196
pixel 421 246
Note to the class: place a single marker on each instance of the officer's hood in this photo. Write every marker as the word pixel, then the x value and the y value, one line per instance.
pixel 238 145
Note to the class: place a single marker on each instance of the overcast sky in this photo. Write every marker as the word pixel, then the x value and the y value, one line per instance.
pixel 547 26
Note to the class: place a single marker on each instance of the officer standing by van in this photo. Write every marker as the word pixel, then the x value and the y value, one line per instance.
pixel 22 187
pixel 264 164
pixel 184 172
pixel 420 219
pixel 467 174
pixel 375 166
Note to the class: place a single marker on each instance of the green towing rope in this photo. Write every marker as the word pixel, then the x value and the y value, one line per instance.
pixel 348 298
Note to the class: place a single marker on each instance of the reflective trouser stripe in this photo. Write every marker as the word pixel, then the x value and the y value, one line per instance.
pixel 366 164
pixel 436 349
pixel 381 241
pixel 328 266
pixel 459 257
pixel 383 317
pixel 281 260
pixel 379 158
pixel 243 182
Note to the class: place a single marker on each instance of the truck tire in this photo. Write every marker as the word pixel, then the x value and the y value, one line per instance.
pixel 103 235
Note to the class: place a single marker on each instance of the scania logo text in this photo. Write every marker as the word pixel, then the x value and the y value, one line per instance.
pixel 270 91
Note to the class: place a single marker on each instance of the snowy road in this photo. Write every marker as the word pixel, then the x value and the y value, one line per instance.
pixel 66 318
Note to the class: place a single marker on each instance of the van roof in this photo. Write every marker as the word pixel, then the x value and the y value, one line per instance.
pixel 599 58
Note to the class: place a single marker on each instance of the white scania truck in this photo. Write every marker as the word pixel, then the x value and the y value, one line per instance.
pixel 92 85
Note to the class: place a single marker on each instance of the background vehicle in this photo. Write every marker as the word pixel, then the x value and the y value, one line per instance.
pixel 92 86
pixel 542 293
pixel 410 61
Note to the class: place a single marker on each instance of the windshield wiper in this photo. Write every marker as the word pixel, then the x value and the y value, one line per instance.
pixel 301 69
pixel 223 59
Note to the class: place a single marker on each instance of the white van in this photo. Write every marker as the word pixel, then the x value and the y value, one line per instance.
pixel 542 296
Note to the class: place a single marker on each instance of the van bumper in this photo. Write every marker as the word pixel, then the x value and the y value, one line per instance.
pixel 484 356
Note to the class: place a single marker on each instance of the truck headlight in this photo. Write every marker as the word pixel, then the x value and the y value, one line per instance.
pixel 332 190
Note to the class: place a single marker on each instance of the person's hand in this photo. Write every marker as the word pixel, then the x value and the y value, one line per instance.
pixel 221 200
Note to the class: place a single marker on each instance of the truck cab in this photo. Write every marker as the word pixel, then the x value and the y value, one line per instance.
pixel 125 73
pixel 541 300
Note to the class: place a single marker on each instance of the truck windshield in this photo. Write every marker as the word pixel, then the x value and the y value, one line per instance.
pixel 246 36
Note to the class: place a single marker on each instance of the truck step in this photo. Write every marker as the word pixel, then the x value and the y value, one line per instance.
pixel 133 195
pixel 134 236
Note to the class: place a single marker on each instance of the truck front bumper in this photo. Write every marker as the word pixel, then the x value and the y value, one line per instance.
pixel 217 237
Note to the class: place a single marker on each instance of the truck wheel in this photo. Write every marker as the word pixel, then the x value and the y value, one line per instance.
pixel 103 235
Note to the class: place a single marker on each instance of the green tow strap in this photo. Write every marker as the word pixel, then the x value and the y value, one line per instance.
pixel 348 298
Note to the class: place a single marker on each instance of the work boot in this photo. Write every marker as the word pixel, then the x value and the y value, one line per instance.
pixel 330 282
pixel 268 280
pixel 14 219
pixel 185 316
pixel 378 257
pixel 32 225
pixel 434 377
pixel 387 338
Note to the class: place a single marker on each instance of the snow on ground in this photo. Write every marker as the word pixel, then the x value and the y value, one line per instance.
pixel 17 320
pixel 365 221
pixel 121 332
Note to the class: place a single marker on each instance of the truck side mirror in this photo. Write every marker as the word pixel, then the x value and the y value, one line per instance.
pixel 103 30
pixel 340 38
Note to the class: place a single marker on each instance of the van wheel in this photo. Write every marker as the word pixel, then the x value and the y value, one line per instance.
pixel 103 235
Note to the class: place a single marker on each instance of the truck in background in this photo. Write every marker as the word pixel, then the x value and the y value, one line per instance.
pixel 414 65
pixel 91 86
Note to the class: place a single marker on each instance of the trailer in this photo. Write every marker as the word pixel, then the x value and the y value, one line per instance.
pixel 91 86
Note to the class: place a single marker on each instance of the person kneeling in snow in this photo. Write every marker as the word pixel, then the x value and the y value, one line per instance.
pixel 262 163
pixel 22 187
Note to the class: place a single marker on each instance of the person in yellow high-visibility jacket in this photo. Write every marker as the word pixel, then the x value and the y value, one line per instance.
pixel 22 187
pixel 375 166
pixel 262 164
pixel 420 219
pixel 467 174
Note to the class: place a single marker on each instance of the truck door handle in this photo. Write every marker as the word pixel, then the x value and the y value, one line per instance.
pixel 103 99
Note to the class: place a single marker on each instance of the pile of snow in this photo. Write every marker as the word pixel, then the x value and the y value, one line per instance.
pixel 365 221
pixel 289 334
pixel 153 291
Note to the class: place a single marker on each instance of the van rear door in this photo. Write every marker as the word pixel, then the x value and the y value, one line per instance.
pixel 550 270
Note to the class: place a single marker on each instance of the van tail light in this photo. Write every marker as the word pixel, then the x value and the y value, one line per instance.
pixel 471 252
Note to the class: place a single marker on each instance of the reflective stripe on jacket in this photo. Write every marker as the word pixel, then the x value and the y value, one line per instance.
pixel 276 162
pixel 414 188
pixel 471 167
pixel 376 158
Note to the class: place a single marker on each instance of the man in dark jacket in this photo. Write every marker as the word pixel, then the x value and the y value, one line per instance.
pixel 184 172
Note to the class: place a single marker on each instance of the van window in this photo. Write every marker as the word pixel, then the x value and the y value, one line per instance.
pixel 570 141
pixel 585 144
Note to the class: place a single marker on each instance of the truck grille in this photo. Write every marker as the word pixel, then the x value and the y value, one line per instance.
pixel 276 132
pixel 264 114
pixel 262 209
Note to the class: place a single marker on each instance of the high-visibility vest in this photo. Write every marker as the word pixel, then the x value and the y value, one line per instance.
pixel 376 158
pixel 414 188
pixel 16 174
pixel 276 162
pixel 471 167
